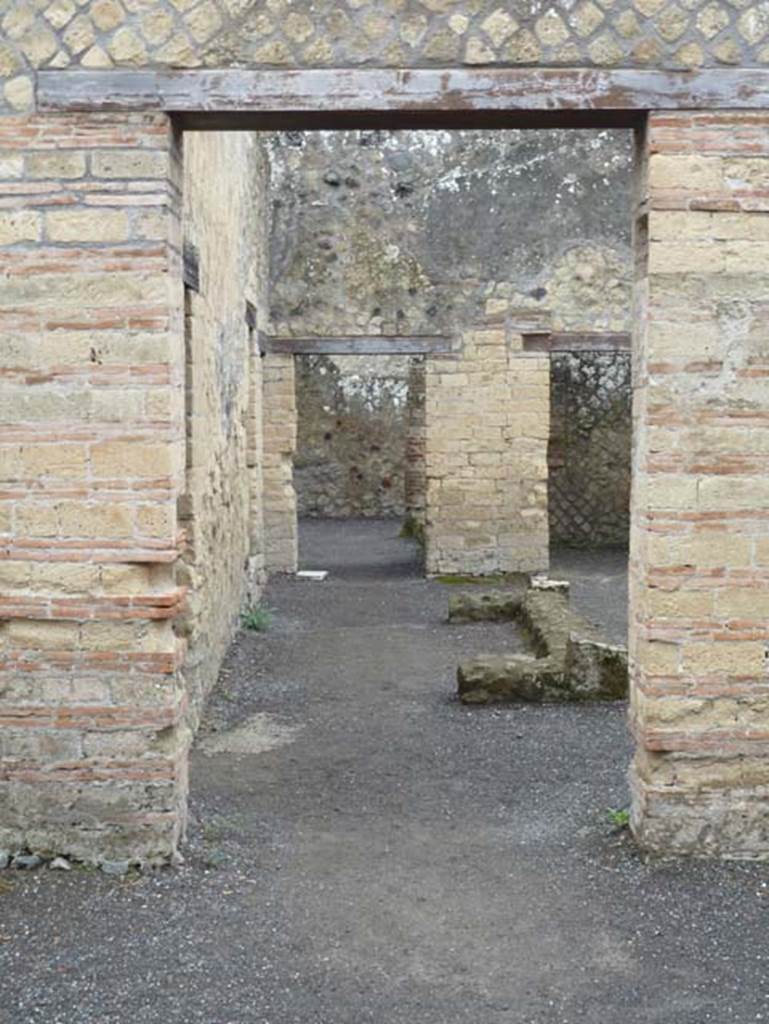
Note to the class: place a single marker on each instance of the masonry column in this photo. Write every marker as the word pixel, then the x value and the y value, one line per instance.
pixel 415 480
pixel 91 461
pixel 700 506
pixel 487 410
pixel 279 446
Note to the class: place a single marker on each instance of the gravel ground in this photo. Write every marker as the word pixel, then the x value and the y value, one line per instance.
pixel 598 586
pixel 374 853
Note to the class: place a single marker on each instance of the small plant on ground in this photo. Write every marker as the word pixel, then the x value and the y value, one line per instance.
pixel 413 530
pixel 618 816
pixel 256 617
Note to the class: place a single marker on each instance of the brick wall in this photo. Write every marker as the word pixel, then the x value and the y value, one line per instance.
pixel 279 433
pixel 123 535
pixel 700 536
pixel 487 425
pixel 92 704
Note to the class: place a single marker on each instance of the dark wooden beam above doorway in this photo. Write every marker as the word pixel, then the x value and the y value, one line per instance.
pixel 359 345
pixel 424 97
pixel 575 341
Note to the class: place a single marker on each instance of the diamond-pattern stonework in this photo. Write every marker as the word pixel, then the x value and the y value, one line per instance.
pixel 589 456
pixel 671 34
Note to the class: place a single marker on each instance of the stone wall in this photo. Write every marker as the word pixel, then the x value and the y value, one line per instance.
pixel 487 425
pixel 352 434
pixel 122 560
pixel 415 232
pixel 279 441
pixel 415 469
pixel 699 566
pixel 99 34
pixel 219 508
pixel 427 232
pixel 93 707
pixel 589 450
pixel 93 703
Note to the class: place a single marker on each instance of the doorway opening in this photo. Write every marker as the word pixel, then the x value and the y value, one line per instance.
pixel 697 638
pixel 387 234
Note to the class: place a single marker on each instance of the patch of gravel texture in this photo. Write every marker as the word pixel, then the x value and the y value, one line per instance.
pixel 396 858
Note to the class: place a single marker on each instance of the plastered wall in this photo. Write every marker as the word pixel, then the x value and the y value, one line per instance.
pixel 351 435
pixel 415 232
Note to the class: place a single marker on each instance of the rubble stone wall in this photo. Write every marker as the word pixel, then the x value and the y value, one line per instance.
pixel 352 433
pixel 422 232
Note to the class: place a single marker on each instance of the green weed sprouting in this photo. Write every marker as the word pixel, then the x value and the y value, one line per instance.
pixel 618 816
pixel 256 617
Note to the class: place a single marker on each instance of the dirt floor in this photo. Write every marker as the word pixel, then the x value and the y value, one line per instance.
pixel 365 850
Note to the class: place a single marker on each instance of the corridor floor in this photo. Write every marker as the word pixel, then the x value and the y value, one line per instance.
pixel 364 850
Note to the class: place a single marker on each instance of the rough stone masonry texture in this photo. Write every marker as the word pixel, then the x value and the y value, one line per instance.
pixel 425 232
pixel 96 703
pixel 394 33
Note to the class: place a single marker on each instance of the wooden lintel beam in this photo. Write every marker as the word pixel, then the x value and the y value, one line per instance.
pixel 360 345
pixel 346 96
pixel 578 341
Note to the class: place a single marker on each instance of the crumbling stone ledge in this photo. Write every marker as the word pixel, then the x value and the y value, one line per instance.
pixel 571 661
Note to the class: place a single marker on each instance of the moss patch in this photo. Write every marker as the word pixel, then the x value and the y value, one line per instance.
pixel 501 579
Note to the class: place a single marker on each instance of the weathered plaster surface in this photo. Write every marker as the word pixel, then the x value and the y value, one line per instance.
pixel 223 487
pixel 415 232
pixel 352 432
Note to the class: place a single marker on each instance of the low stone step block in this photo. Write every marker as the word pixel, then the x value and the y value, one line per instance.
pixel 571 662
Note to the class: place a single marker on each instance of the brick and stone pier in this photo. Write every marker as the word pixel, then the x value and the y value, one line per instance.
pixel 91 449
pixel 699 631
